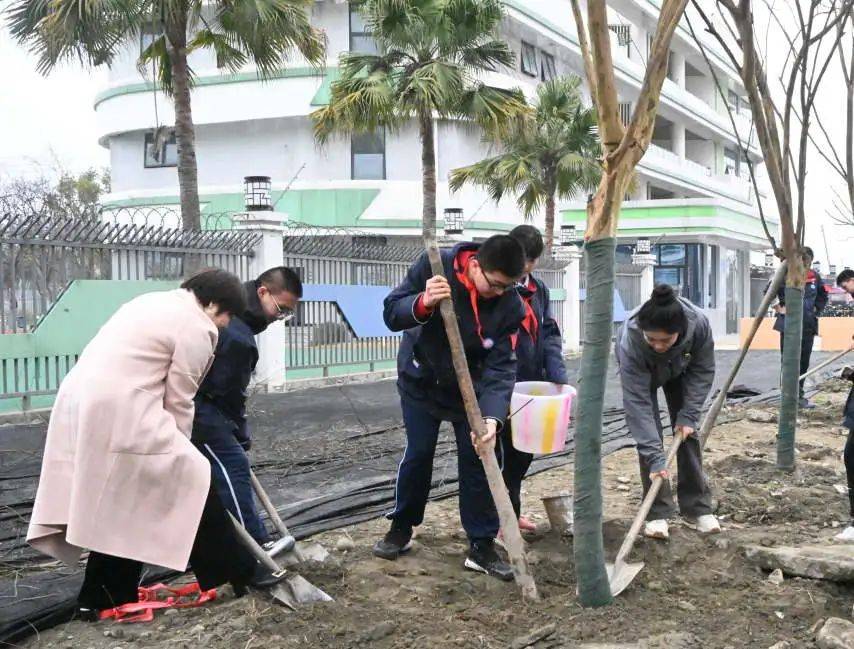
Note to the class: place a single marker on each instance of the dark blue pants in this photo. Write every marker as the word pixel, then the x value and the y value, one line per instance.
pixel 231 479
pixel 415 475
pixel 514 466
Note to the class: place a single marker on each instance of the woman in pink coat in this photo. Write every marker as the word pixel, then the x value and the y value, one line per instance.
pixel 120 476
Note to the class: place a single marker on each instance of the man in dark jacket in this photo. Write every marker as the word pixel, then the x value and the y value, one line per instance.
pixel 220 429
pixel 845 280
pixel 539 349
pixel 815 299
pixel 480 281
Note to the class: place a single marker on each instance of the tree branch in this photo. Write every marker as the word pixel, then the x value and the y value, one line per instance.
pixel 583 42
pixel 603 65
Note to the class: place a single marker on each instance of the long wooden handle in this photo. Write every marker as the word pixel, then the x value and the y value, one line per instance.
pixel 252 545
pixel 646 505
pixel 278 523
pixel 824 364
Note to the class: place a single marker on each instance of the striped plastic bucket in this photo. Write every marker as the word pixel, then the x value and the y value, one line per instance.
pixel 540 416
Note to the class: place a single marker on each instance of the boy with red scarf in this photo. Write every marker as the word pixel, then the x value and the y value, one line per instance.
pixel 481 281
pixel 539 350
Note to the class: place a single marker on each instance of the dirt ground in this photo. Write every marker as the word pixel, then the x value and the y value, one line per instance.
pixel 694 591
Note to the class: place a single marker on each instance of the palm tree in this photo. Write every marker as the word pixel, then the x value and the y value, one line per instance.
pixel 432 52
pixel 551 153
pixel 261 32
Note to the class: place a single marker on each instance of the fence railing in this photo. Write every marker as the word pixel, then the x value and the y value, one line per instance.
pixel 40 255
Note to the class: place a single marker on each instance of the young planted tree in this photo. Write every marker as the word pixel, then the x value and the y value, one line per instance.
pixel 432 52
pixel 812 37
pixel 551 153
pixel 260 32
pixel 623 147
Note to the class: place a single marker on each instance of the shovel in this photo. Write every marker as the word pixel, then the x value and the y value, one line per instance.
pixel 294 589
pixel 299 553
pixel 824 364
pixel 620 573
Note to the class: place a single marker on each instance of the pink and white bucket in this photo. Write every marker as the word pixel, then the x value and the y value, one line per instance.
pixel 540 416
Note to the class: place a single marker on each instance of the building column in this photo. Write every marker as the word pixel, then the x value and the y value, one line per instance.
pixel 677 67
pixel 269 374
pixel 647 281
pixel 572 304
pixel 678 136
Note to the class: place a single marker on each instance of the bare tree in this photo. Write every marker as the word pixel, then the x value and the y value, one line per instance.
pixel 623 147
pixel 812 35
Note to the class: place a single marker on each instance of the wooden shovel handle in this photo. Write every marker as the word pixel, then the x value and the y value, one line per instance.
pixel 654 488
pixel 278 523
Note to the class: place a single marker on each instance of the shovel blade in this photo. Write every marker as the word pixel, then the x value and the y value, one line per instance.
pixel 304 592
pixel 621 575
pixel 282 593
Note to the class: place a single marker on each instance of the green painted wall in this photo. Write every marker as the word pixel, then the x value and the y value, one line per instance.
pixel 63 332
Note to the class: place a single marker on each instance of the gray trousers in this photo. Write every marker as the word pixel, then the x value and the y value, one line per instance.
pixel 692 489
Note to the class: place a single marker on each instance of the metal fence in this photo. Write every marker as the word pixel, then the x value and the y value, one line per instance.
pixel 41 255
pixel 627 282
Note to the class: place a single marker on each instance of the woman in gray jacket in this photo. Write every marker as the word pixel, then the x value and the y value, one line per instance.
pixel 667 343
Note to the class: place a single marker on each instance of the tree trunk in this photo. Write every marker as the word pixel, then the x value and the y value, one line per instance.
pixel 188 173
pixel 550 223
pixel 506 516
pixel 791 362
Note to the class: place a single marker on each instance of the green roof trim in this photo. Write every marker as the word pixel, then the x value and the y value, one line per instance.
pixel 214 80
pixel 324 94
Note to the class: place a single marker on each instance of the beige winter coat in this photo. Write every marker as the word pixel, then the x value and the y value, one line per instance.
pixel 119 473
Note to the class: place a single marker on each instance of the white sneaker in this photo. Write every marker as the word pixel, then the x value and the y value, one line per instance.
pixel 657 529
pixel 707 524
pixel 284 544
pixel 846 535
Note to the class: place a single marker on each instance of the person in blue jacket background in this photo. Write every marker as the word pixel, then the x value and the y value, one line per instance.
pixel 815 299
pixel 480 281
pixel 539 349
pixel 220 429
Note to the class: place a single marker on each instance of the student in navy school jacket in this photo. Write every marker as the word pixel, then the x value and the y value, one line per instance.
pixel 481 281
pixel 539 349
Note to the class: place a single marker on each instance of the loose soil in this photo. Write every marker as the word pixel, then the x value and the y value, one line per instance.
pixel 694 591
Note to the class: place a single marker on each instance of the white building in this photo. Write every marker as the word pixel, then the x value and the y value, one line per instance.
pixel 692 187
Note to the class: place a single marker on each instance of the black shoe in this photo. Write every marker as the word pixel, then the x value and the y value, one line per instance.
pixel 87 614
pixel 483 558
pixel 397 541
pixel 264 578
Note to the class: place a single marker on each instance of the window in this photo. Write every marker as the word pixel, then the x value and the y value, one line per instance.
pixel 367 153
pixel 733 100
pixel 361 40
pixel 624 37
pixel 148 33
pixel 161 151
pixel 731 162
pixel 625 112
pixel 682 266
pixel 529 59
pixel 547 67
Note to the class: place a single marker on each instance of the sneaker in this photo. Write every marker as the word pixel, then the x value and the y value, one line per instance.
pixel 86 614
pixel 805 404
pixel 284 544
pixel 705 524
pixel 397 541
pixel 526 525
pixel 657 529
pixel 846 535
pixel 483 558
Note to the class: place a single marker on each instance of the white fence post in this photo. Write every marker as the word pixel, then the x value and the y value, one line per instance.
pixel 647 281
pixel 572 304
pixel 270 371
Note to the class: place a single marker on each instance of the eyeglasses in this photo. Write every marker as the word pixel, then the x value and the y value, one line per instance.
pixel 497 286
pixel 285 313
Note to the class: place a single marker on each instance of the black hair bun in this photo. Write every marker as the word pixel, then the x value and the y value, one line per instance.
pixel 663 295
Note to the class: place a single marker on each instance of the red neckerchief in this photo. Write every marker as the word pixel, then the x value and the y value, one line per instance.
pixel 530 324
pixel 810 275
pixel 461 264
